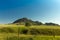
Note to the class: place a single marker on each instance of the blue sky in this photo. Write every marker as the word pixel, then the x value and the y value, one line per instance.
pixel 41 10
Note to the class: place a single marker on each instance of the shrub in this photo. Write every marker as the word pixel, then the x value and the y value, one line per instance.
pixel 22 30
pixel 27 24
pixel 38 23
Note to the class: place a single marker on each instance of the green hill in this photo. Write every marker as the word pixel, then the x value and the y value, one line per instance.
pixel 24 20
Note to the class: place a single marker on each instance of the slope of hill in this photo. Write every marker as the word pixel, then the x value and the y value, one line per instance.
pixel 24 20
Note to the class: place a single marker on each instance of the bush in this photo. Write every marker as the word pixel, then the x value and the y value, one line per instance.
pixel 22 30
pixel 38 23
pixel 27 24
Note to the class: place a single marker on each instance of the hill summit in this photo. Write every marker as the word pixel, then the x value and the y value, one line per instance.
pixel 24 20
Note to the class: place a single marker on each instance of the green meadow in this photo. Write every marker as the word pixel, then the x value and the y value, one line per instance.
pixel 21 32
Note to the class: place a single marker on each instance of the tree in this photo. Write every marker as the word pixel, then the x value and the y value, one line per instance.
pixel 27 24
pixel 38 23
pixel 51 24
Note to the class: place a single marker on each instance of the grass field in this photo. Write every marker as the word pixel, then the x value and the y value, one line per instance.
pixel 17 32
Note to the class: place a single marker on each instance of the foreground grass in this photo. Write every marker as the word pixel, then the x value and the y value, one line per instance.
pixel 13 36
pixel 10 32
